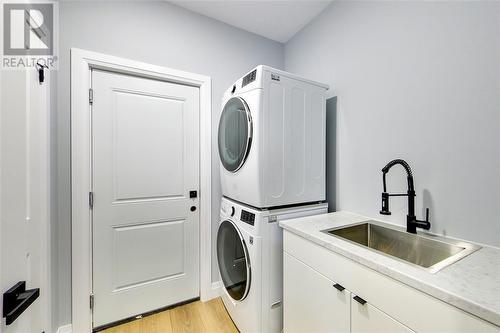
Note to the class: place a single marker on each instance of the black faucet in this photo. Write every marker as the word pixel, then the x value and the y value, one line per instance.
pixel 411 221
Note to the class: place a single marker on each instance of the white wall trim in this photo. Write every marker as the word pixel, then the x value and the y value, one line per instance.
pixel 216 289
pixel 40 140
pixel 82 62
pixel 65 329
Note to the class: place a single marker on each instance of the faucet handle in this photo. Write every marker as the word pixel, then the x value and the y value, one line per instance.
pixel 425 224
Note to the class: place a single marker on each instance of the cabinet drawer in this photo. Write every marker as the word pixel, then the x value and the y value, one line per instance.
pixel 369 319
pixel 311 303
pixel 422 313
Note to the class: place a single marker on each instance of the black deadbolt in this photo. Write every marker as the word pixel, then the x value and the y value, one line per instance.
pixel 193 194
pixel 193 208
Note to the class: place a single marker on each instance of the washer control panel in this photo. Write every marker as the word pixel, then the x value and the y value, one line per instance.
pixel 247 217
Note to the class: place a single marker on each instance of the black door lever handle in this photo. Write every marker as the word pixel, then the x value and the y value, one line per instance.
pixel 16 300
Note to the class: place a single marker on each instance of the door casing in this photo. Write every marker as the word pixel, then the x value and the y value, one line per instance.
pixel 82 63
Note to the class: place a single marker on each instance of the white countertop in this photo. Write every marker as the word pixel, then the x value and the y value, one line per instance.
pixel 471 284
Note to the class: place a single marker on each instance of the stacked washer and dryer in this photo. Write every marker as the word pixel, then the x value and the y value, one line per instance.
pixel 271 142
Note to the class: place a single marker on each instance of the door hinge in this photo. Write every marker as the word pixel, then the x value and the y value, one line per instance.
pixel 91 301
pixel 91 96
pixel 91 199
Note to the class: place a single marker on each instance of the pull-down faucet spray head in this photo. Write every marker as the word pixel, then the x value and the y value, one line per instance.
pixel 385 198
pixel 385 204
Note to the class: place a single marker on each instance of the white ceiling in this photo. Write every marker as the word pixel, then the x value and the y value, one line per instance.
pixel 276 20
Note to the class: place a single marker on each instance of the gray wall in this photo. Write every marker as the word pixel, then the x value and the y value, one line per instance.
pixel 414 80
pixel 419 81
pixel 157 33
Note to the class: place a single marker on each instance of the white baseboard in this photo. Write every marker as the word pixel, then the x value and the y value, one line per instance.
pixel 65 329
pixel 215 291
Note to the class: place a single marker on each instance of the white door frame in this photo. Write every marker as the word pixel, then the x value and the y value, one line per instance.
pixel 82 63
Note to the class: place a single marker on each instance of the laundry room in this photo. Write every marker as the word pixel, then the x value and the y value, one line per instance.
pixel 249 166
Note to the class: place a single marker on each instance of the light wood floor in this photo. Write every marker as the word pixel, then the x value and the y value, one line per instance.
pixel 196 317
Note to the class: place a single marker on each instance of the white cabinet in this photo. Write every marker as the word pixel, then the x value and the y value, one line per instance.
pixel 369 319
pixel 314 303
pixel 311 302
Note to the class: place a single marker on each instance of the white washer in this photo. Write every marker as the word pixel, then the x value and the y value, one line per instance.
pixel 250 258
pixel 271 139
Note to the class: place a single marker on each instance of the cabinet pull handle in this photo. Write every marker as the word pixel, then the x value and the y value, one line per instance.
pixel 338 287
pixel 359 300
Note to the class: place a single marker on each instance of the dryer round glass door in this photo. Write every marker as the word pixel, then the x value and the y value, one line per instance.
pixel 234 263
pixel 235 134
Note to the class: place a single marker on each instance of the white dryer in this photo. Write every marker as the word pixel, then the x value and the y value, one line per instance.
pixel 271 139
pixel 250 259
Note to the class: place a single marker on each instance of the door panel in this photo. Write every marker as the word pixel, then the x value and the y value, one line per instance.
pixel 145 161
pixel 148 146
pixel 162 259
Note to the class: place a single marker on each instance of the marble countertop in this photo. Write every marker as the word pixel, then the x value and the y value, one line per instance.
pixel 471 284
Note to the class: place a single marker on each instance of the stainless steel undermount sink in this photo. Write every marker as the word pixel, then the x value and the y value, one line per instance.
pixel 432 253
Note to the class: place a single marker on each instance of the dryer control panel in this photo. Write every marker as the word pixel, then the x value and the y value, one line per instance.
pixel 250 77
pixel 247 217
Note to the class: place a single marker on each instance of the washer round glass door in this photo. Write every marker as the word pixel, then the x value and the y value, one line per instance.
pixel 235 134
pixel 234 263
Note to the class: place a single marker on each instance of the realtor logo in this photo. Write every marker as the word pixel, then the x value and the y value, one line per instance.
pixel 28 34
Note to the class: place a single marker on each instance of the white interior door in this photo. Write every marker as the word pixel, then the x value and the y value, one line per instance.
pixel 24 179
pixel 145 224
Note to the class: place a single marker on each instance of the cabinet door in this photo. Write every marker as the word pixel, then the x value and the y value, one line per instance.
pixel 367 318
pixel 311 303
